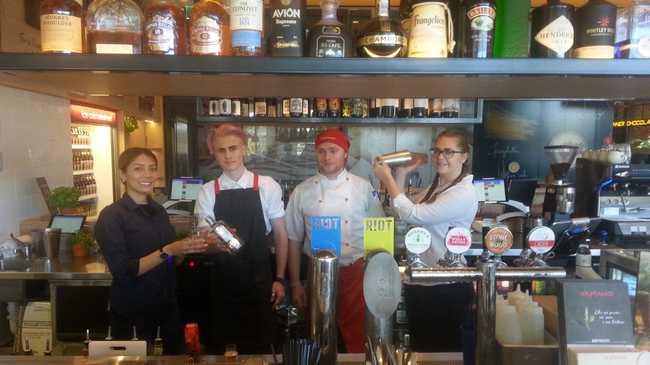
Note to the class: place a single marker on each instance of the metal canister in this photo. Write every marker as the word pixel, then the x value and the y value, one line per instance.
pixel 399 157
pixel 323 287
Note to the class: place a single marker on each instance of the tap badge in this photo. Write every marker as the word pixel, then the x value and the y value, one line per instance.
pixel 541 240
pixel 458 240
pixel 498 240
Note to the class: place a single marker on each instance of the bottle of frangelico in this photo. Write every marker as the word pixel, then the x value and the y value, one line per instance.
pixel 553 31
pixel 286 38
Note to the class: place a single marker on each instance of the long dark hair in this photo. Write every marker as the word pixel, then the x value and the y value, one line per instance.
pixel 462 139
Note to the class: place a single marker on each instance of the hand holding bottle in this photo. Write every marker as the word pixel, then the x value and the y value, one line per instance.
pixel 187 245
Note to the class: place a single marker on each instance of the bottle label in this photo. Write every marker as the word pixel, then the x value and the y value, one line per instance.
pixel 60 33
pixel 246 15
pixel 640 31
pixel 604 52
pixel 260 108
pixel 482 18
pixel 557 35
pixel 286 28
pixel 295 106
pixel 428 31
pixel 421 103
pixel 161 33
pixel 330 43
pixel 107 48
pixel 206 36
pixel 383 40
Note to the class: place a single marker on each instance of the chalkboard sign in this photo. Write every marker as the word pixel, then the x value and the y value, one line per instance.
pixel 595 312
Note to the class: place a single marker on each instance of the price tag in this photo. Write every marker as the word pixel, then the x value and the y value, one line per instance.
pixel 458 240
pixel 325 234
pixel 379 234
pixel 417 240
pixel 541 240
pixel 498 240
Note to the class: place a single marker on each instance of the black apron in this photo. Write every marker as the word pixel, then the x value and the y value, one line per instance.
pixel 241 284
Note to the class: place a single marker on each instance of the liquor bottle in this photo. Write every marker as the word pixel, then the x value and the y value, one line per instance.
pixel 622 39
pixel 286 38
pixel 420 108
pixel 114 26
pixel 260 107
pixel 334 107
pixel 246 25
pixel 552 30
pixel 357 107
pixel 511 34
pixel 158 348
pixel 478 24
pixel 306 108
pixel 405 17
pixel 596 30
pixel 375 108
pixel 271 108
pixel 639 30
pixel 328 37
pixel 61 26
pixel 321 107
pixel 389 107
pixel 164 27
pixel 236 108
pixel 382 37
pixel 210 29
pixel 436 107
pixel 432 31
pixel 406 108
pixel 346 107
pixel 450 107
pixel 296 107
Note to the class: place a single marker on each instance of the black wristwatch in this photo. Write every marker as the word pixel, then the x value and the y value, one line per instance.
pixel 163 255
pixel 279 279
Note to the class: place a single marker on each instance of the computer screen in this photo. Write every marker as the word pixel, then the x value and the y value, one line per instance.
pixel 185 188
pixel 67 223
pixel 492 190
pixel 522 190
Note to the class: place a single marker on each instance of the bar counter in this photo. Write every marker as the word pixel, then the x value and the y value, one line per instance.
pixel 75 268
pixel 344 359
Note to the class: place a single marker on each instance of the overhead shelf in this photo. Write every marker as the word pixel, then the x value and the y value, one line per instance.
pixel 312 77
pixel 319 122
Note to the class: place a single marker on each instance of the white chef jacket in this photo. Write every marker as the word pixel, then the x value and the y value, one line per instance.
pixel 270 196
pixel 348 196
pixel 455 207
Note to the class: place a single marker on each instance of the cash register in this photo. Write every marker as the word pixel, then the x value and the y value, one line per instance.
pixel 183 194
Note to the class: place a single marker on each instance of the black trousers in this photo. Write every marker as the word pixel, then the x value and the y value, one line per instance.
pixel 436 315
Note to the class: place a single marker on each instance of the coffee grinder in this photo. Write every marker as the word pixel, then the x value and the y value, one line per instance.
pixel 559 200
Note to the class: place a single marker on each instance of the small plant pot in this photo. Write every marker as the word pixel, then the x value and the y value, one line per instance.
pixel 80 250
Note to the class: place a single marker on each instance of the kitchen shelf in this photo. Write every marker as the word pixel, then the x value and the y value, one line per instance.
pixel 88 197
pixel 82 172
pixel 81 147
pixel 318 122
pixel 211 76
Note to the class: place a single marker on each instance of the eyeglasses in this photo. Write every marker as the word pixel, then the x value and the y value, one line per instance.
pixel 446 153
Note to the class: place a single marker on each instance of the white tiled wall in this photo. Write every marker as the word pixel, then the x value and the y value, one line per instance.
pixel 34 141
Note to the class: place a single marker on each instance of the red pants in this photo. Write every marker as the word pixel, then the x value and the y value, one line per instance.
pixel 351 311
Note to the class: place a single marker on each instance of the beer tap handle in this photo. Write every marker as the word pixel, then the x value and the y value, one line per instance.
pixel 135 334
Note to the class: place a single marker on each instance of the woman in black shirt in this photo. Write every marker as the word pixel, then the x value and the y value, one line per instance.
pixel 138 243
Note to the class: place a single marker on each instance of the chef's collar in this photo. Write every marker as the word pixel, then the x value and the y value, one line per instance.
pixel 226 180
pixel 342 176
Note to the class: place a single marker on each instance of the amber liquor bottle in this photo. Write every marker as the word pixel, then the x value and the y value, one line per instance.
pixel 114 26
pixel 210 29
pixel 164 27
pixel 61 30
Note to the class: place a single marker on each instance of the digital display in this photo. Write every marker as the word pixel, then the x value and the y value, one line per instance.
pixel 491 190
pixel 185 188
pixel 67 223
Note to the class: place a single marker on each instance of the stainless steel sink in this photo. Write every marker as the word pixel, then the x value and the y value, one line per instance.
pixel 15 264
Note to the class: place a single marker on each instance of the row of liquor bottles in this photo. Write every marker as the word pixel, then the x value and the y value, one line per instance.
pixel 79 136
pixel 426 29
pixel 334 107
pixel 85 184
pixel 82 160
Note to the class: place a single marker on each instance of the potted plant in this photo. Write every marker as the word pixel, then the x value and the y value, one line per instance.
pixel 65 199
pixel 81 242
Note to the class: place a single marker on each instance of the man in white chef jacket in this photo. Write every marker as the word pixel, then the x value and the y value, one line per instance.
pixel 334 192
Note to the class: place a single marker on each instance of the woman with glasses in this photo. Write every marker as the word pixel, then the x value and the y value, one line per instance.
pixel 450 201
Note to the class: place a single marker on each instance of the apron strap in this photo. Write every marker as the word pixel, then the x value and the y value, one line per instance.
pixel 217 187
pixel 256 182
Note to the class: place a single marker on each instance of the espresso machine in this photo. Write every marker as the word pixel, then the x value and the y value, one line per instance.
pixel 560 194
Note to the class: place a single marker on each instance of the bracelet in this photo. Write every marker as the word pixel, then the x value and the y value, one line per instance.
pixel 279 279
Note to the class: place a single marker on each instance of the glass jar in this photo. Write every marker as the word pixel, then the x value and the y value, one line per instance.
pixel 164 27
pixel 114 26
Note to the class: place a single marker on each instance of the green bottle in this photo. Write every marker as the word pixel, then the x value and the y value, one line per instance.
pixel 511 38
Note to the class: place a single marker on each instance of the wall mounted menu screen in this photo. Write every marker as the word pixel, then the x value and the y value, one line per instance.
pixel 595 313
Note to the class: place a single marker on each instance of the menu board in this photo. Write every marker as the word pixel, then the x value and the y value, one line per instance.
pixel 595 312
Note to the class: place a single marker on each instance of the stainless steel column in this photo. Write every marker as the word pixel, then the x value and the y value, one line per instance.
pixel 323 288
pixel 486 349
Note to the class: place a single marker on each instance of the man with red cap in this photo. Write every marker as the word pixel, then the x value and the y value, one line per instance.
pixel 334 192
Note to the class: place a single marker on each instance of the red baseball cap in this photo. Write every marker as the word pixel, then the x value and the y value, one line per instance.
pixel 333 135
